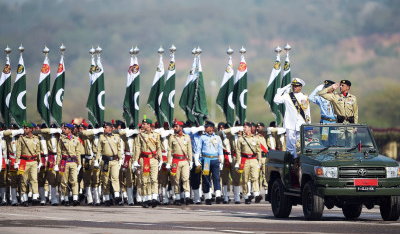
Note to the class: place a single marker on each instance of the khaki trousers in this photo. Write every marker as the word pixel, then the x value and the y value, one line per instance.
pixel 250 174
pixel 182 174
pixel 112 176
pixel 263 180
pixel 91 176
pixel 70 176
pixel 149 182
pixel 30 175
pixel 126 177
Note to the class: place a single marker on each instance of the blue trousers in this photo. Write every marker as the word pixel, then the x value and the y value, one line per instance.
pixel 214 173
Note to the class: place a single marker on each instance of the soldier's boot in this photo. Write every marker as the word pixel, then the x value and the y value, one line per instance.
pixel 207 197
pixel 249 187
pixel 42 196
pixel 35 199
pixel 165 196
pixel 66 200
pixel 177 201
pixel 124 198
pixel 266 194
pixel 187 198
pixel 30 197
pixel 3 196
pixel 226 194
pixel 107 200
pixel 129 192
pixel 24 200
pixel 14 200
pixel 145 203
pixel 53 193
pixel 236 192
pixel 96 197
pixel 139 198
pixel 81 195
pixel 218 198
pixel 258 197
pixel 89 197
pixel 247 199
pixel 75 200
pixel 117 198
pixel 196 195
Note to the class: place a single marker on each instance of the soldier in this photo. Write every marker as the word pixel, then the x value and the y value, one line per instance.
pixel 327 115
pixel 180 157
pixel 264 150
pixel 297 111
pixel 69 153
pixel 344 104
pixel 3 166
pixel 26 161
pixel 209 146
pixel 248 154
pixel 109 148
pixel 148 153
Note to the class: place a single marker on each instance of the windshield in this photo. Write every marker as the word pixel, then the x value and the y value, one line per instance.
pixel 346 137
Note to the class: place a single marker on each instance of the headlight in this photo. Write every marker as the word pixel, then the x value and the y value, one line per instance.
pixel 327 172
pixel 392 172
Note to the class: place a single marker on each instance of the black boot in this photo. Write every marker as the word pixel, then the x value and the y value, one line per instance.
pixel 208 202
pixel 145 204
pixel 75 202
pixel 177 202
pixel 219 200
pixel 247 201
pixel 187 201
pixel 154 203
pixel 107 203
pixel 258 199
pixel 66 203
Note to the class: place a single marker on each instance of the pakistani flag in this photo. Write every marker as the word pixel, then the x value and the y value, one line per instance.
pixel 131 105
pixel 273 85
pixel 58 93
pixel 240 91
pixel 156 92
pixel 5 92
pixel 199 109
pixel 285 81
pixel 18 96
pixel 95 102
pixel 183 102
pixel 43 92
pixel 225 95
pixel 167 102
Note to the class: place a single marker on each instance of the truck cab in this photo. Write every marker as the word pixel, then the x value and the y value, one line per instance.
pixel 337 165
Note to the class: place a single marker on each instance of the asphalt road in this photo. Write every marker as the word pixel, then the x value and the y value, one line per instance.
pixel 254 218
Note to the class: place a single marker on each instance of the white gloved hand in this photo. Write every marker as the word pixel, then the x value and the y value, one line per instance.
pixel 259 166
pixel 166 133
pixel 160 165
pixel 196 160
pixel 168 166
pixel 236 129
pixel 79 168
pixel 288 86
pixel 39 166
pixel 96 164
pixel 230 158
pixel 17 132
pixel 16 166
pixel 133 168
pixel 130 132
pixel 237 166
pixel 56 168
pixel 221 166
pixel 197 129
pixel 221 158
pixel 6 161
pixel 55 130
pixel 190 165
pixel 120 162
pixel 320 87
pixel 135 164
pixel 98 130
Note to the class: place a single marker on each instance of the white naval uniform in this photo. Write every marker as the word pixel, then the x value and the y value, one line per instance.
pixel 293 120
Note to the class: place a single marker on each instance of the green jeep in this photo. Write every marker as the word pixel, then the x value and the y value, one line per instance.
pixel 339 166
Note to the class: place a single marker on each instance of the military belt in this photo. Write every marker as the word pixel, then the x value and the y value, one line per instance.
pixel 210 156
pixel 328 119
pixel 248 156
pixel 110 158
pixel 69 158
pixel 179 156
pixel 29 158
pixel 341 119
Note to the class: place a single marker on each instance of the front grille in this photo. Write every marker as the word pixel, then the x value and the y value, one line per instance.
pixel 371 172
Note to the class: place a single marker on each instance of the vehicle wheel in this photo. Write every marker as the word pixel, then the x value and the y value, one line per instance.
pixel 352 211
pixel 313 203
pixel 281 204
pixel 390 208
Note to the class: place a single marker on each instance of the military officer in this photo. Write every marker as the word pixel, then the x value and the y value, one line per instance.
pixel 327 115
pixel 148 154
pixel 69 153
pixel 26 161
pixel 209 146
pixel 264 150
pixel 180 157
pixel 248 162
pixel 344 104
pixel 109 147
pixel 297 111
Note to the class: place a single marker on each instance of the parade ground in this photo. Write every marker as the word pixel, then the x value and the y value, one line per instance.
pixel 254 218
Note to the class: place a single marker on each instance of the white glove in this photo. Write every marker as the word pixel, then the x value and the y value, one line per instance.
pixel 221 158
pixel 16 166
pixel 166 133
pixel 39 166
pixel 96 164
pixel 190 165
pixel 288 86
pixel 56 168
pixel 130 132
pixel 17 132
pixel 320 87
pixel 158 130
pixel 6 161
pixel 160 165
pixel 98 130
pixel 230 158
pixel 168 166
pixel 135 164
pixel 259 166
pixel 79 168
pixel 197 129
pixel 55 130
pixel 237 166
pixel 236 129
pixel 120 162
pixel 133 168
pixel 196 160
pixel 221 166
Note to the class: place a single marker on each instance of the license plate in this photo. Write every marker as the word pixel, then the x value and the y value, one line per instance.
pixel 365 182
pixel 365 188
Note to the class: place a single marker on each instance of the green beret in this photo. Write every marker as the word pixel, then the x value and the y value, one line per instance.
pixel 147 121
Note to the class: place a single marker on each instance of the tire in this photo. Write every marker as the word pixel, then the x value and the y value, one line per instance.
pixel 352 211
pixel 390 208
pixel 281 204
pixel 313 203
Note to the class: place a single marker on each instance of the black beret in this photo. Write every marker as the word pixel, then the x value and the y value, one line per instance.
pixel 107 124
pixel 328 83
pixel 208 123
pixel 346 82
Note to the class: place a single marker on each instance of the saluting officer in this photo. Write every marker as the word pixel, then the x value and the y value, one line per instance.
pixel 180 157
pixel 109 148
pixel 327 115
pixel 248 153
pixel 69 153
pixel 26 161
pixel 148 153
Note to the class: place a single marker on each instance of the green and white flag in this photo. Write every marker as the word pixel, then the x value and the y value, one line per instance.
pixel 225 94
pixel 286 79
pixel 240 91
pixel 43 93
pixel 186 93
pixel 199 108
pixel 273 85
pixel 5 92
pixel 131 100
pixel 18 96
pixel 95 102
pixel 167 102
pixel 57 91
pixel 156 92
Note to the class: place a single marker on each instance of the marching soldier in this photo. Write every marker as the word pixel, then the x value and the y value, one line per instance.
pixel 148 153
pixel 264 151
pixel 209 146
pixel 109 147
pixel 69 153
pixel 3 166
pixel 26 161
pixel 248 154
pixel 180 157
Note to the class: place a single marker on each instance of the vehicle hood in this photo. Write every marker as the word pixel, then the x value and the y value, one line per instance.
pixel 353 159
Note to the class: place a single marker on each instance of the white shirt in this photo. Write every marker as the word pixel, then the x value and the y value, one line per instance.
pixel 293 120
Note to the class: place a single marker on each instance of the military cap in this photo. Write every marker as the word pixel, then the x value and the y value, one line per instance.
pixel 107 124
pixel 147 121
pixel 180 123
pixel 328 83
pixel 221 124
pixel 208 123
pixel 132 126
pixel 53 125
pixel 43 125
pixel 261 124
pixel 29 125
pixel 68 125
pixel 308 128
pixel 346 82
pixel 297 81
pixel 249 124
